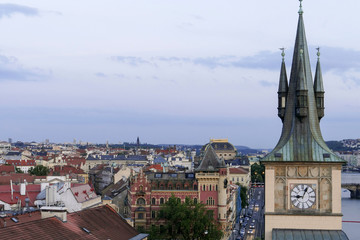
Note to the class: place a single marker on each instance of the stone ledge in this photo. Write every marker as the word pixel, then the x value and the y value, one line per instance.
pixel 304 214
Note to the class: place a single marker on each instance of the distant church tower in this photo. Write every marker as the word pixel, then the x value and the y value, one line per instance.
pixel 302 175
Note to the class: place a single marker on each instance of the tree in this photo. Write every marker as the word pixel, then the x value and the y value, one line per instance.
pixel 18 170
pixel 187 220
pixel 39 170
pixel 257 173
pixel 243 196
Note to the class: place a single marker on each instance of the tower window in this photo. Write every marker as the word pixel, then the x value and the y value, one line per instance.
pixel 210 201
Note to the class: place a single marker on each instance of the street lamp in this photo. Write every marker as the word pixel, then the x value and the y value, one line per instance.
pixel 206 233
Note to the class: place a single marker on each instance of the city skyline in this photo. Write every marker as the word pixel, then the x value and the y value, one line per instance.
pixel 179 72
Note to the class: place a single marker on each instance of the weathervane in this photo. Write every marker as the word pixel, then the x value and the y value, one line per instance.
pixel 318 52
pixel 282 52
pixel 300 10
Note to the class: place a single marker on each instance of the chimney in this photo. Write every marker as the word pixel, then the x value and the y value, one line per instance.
pixel 12 191
pixel 22 189
pixel 27 200
pixel 59 212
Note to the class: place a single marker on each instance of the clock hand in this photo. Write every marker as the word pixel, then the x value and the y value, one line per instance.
pixel 305 192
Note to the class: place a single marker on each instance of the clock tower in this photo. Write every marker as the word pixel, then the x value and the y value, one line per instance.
pixel 302 175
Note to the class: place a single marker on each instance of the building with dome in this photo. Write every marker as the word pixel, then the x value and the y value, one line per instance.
pixel 222 148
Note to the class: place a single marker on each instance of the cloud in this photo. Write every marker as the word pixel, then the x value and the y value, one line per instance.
pixel 262 60
pixel 336 59
pixel 339 59
pixel 8 9
pixel 11 70
pixel 100 74
pixel 133 61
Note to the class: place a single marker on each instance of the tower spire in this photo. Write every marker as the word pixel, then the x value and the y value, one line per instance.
pixel 319 87
pixel 301 136
pixel 300 8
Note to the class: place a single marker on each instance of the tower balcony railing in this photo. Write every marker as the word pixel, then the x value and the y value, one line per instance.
pixel 207 174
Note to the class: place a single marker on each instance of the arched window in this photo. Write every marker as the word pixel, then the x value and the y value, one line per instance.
pixel 140 201
pixel 161 200
pixel 203 187
pixel 178 186
pixel 170 187
pixel 210 188
pixel 141 188
pixel 153 201
pixel 195 187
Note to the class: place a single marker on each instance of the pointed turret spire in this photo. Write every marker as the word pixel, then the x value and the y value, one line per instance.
pixel 283 87
pixel 301 90
pixel 319 88
pixel 300 8
pixel 301 138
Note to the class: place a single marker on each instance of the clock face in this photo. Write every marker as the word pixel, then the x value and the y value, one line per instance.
pixel 302 196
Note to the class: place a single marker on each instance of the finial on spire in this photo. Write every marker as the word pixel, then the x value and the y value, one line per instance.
pixel 282 52
pixel 300 10
pixel 318 52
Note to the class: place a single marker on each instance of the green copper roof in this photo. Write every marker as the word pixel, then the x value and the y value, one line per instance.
pixel 283 81
pixel 318 82
pixel 302 234
pixel 301 138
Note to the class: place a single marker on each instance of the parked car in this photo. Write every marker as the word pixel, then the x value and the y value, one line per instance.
pixel 252 225
pixel 242 231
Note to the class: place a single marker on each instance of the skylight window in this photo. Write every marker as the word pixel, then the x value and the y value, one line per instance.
pixel 86 230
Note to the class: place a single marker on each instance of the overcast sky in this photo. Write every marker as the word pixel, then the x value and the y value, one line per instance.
pixel 179 71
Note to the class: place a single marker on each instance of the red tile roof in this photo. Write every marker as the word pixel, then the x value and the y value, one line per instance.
pixel 7 168
pixel 18 178
pixel 238 170
pixel 27 217
pixel 101 222
pixel 63 170
pixel 21 162
pixel 32 190
pixel 157 167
